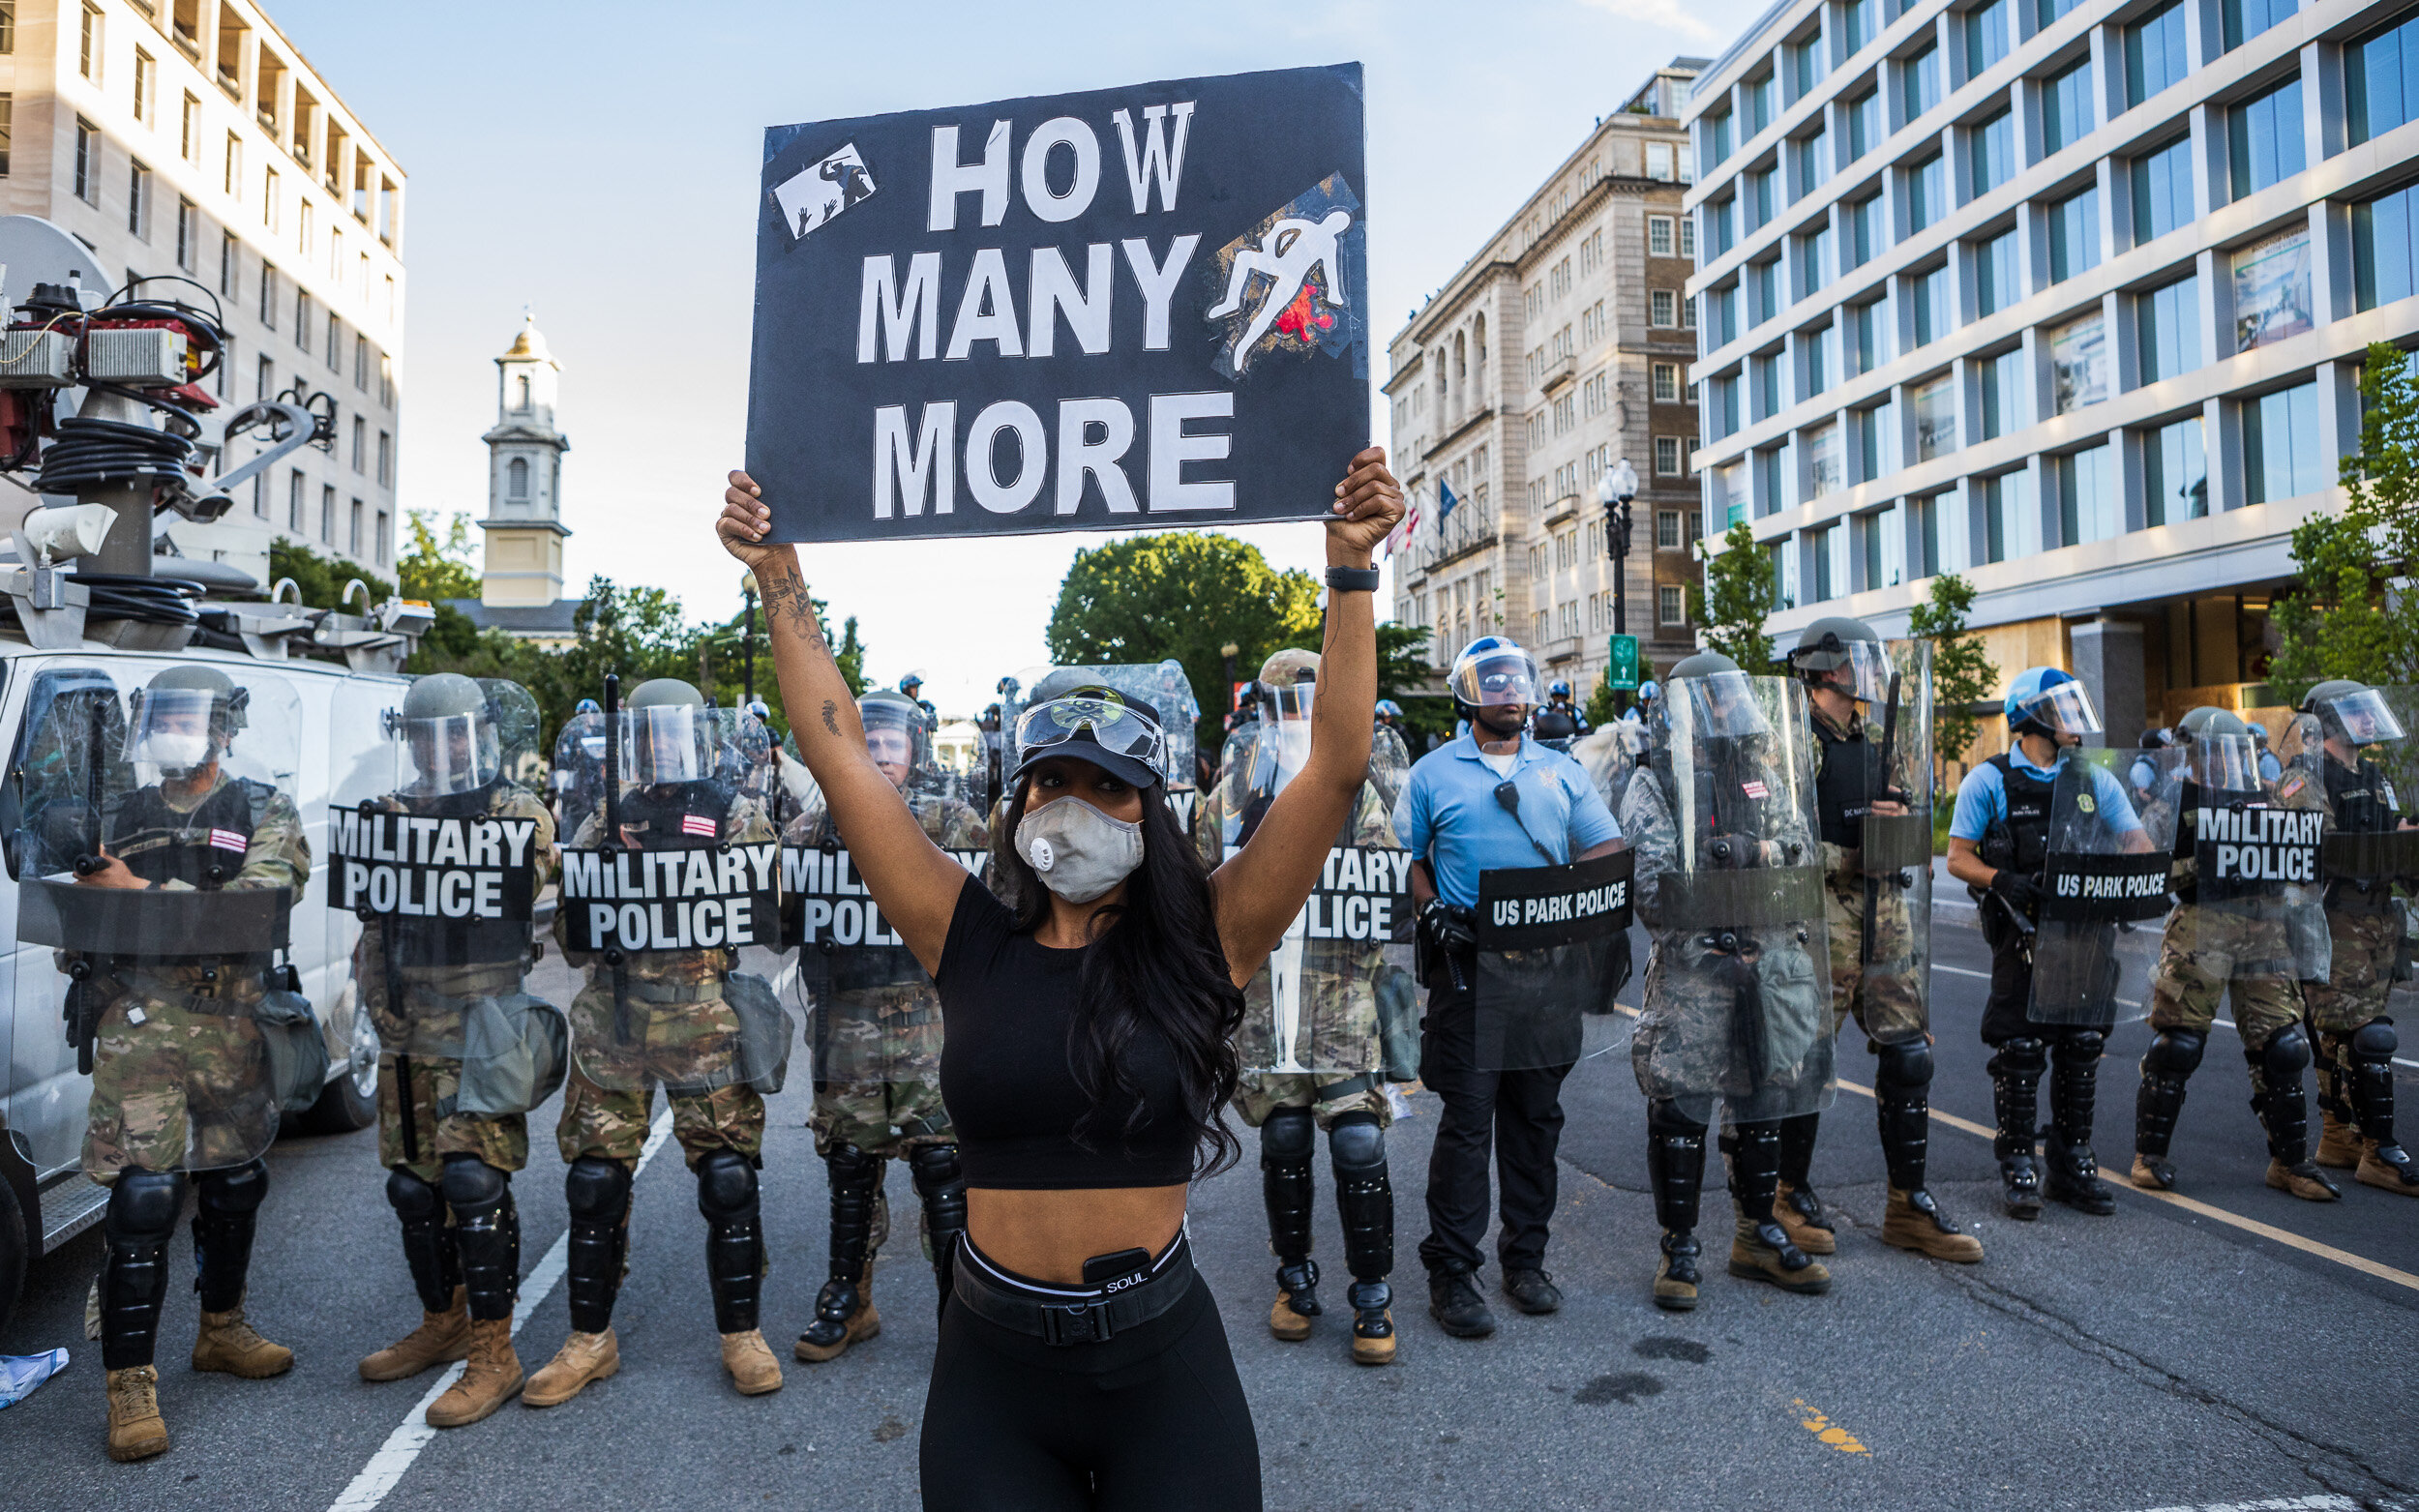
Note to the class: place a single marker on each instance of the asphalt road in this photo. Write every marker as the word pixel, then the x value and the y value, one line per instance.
pixel 2165 1357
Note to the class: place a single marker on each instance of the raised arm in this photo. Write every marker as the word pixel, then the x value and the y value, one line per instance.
pixel 913 879
pixel 1261 886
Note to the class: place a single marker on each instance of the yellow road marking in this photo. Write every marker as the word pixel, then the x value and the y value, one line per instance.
pixel 1822 1428
pixel 2285 1237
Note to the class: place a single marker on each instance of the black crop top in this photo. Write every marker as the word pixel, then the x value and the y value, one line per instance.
pixel 1007 1002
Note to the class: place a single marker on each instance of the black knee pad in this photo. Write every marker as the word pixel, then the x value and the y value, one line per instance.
pixel 935 1168
pixel 2286 1054
pixel 851 1166
pixel 2082 1048
pixel 2174 1052
pixel 2375 1042
pixel 236 1190
pixel 1905 1070
pixel 1357 1144
pixel 471 1185
pixel 412 1199
pixel 1289 1136
pixel 597 1189
pixel 143 1205
pixel 2021 1057
pixel 726 1185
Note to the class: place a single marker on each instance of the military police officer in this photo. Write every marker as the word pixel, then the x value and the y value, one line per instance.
pixel 2370 844
pixel 878 1054
pixel 424 978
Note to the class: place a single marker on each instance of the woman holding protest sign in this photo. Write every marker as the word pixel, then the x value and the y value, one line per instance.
pixel 1087 1021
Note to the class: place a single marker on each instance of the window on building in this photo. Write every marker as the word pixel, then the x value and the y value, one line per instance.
pixel 1717 136
pixel 1784 577
pixel 1658 236
pixel 1759 198
pixel 295 482
pixel 1815 262
pixel 1806 65
pixel 2385 248
pixel 1659 161
pixel 1927 192
pixel 2074 235
pixel 302 320
pixel 1670 603
pixel 2154 55
pixel 2166 330
pixel 517 479
pixel 361 363
pixel 1998 280
pixel 138 198
pixel 327 515
pixel 360 445
pixel 228 279
pixel 1860 22
pixel 1918 81
pixel 1933 318
pixel 188 130
pixel 227 365
pixel 1768 471
pixel 2263 138
pixel 1865 427
pixel 2381 79
pixel 2245 20
pixel 1814 160
pixel 8 127
pixel 2162 190
pixel 1667 530
pixel 2067 115
pixel 270 200
pixel 1825 462
pixel 1668 456
pixel 1865 128
pixel 352 532
pixel 1720 225
pixel 1820 367
pixel 2003 388
pixel 8 26
pixel 2051 10
pixel 2087 497
pixel 1666 380
pixel 1863 220
pixel 1687 237
pixel 2281 452
pixel 264 379
pixel 188 233
pixel 234 184
pixel 268 294
pixel 146 80
pixel 386 401
pixel 1765 381
pixel 2010 527
pixel 1756 97
pixel 334 343
pixel 88 45
pixel 2175 474
pixel 1763 290
pixel 87 162
pixel 1934 407
pixel 1721 406
pixel 1991 146
pixel 1986 37
pixel 386 539
pixel 1866 350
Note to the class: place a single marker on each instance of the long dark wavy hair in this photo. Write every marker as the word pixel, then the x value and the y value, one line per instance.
pixel 1156 964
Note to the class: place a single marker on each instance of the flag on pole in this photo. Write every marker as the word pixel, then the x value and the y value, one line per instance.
pixel 1445 501
pixel 1399 538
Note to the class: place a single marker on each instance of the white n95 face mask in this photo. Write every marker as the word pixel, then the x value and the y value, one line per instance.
pixel 1078 851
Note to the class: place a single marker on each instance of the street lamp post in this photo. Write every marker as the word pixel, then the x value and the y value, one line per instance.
pixel 1614 491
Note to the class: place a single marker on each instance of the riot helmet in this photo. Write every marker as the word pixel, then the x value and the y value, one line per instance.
pixel 1493 671
pixel 667 737
pixel 2353 712
pixel 1719 697
pixel 1845 654
pixel 184 719
pixel 2224 754
pixel 447 737
pixel 1122 736
pixel 2156 738
pixel 1288 687
pixel 1389 714
pixel 2048 700
pixel 1557 690
pixel 586 706
pixel 895 736
pixel 913 684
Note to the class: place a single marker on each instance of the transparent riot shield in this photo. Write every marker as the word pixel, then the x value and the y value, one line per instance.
pixel 159 857
pixel 1162 685
pixel 2108 861
pixel 1737 1002
pixel 1389 764
pixel 877 1017
pixel 676 871
pixel 2255 853
pixel 1893 913
pixel 438 843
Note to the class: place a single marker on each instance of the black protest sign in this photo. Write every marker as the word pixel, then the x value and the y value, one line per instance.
pixel 1362 892
pixel 390 864
pixel 824 903
pixel 714 897
pixel 2253 851
pixel 1541 907
pixel 1107 311
pixel 2079 886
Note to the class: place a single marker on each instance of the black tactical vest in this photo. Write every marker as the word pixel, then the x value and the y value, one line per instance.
pixel 2022 837
pixel 1844 787
pixel 2358 797
pixel 658 816
pixel 204 848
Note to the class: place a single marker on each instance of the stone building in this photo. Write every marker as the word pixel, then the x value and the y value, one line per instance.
pixel 1557 350
pixel 521 586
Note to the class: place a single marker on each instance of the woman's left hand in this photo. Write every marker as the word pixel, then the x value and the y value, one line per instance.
pixel 1368 506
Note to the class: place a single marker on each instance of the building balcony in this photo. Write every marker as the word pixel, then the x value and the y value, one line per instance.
pixel 1558 371
pixel 1559 510
pixel 1555 652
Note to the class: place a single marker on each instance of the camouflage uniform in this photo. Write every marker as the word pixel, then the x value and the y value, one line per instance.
pixel 694 1032
pixel 1886 1001
pixel 177 1038
pixel 433 1081
pixel 2356 1038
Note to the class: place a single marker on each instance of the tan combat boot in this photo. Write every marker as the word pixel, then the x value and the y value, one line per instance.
pixel 1764 1253
pixel 1676 1273
pixel 135 1428
pixel 228 1343
pixel 2339 1144
pixel 2305 1181
pixel 751 1363
pixel 2152 1174
pixel 441 1339
pixel 1914 1223
pixel 583 1359
pixel 861 1324
pixel 486 1382
pixel 1297 1301
pixel 2387 1168
pixel 1802 1219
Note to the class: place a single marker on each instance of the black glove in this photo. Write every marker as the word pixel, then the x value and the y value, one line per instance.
pixel 2018 889
pixel 1448 926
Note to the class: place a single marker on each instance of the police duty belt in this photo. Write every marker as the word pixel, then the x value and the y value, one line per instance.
pixel 391 864
pixel 1540 908
pixel 710 898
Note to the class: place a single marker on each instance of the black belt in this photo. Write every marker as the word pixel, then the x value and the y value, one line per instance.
pixel 1091 1316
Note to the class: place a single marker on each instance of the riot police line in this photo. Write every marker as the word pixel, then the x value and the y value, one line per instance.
pixel 1774 843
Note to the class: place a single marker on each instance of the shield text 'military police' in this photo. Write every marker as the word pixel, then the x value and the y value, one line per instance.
pixel 1107 310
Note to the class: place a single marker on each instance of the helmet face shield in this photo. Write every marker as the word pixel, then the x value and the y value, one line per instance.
pixel 1504 675
pixel 1866 673
pixel 2229 763
pixel 2066 708
pixel 665 742
pixel 1723 705
pixel 445 754
pixel 173 731
pixel 2365 718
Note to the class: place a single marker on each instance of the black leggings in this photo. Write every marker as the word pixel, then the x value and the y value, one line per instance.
pixel 1153 1418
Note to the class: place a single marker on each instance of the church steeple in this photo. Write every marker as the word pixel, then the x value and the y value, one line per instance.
pixel 524 525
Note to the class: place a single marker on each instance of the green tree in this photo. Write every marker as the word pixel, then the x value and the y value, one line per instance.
pixel 1181 594
pixel 436 570
pixel 1962 671
pixel 2339 618
pixel 1736 596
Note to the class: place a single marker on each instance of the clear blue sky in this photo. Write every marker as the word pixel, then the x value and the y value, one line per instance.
pixel 598 163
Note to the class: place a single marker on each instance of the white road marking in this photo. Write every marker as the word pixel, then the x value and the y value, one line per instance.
pixel 403 1446
pixel 2275 1504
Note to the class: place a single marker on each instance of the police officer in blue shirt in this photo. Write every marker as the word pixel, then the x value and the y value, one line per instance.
pixel 1454 819
pixel 1998 846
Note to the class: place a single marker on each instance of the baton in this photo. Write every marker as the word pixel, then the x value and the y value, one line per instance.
pixel 1889 752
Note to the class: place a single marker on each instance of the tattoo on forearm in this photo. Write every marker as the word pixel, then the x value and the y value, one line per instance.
pixel 786 599
pixel 831 712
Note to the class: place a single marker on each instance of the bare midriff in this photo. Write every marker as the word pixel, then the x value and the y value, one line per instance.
pixel 1048 1235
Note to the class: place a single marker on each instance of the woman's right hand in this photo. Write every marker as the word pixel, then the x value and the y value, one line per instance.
pixel 744 523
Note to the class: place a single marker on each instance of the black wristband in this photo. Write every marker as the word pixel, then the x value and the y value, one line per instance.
pixel 1353 579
